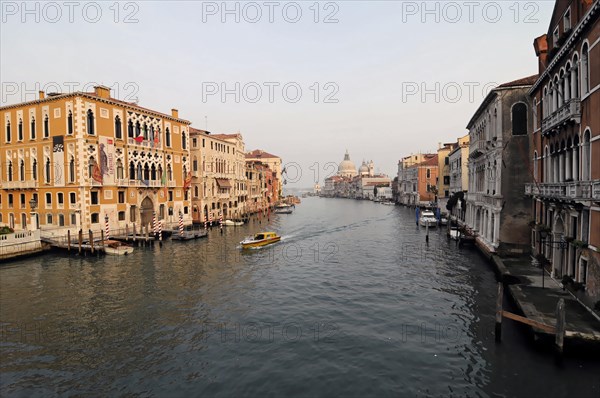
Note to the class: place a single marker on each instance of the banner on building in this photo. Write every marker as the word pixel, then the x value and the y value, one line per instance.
pixel 58 159
pixel 107 160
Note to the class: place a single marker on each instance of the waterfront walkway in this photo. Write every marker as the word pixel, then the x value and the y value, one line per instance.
pixel 537 297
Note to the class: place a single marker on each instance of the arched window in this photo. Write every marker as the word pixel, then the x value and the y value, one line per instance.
pixel 130 129
pixel 119 169
pixel 535 166
pixel 91 164
pixel 195 164
pixel 70 123
pixel 575 78
pixel 131 171
pixel 34 169
pixel 8 137
pixel 576 173
pixel 138 129
pixel 545 103
pixel 183 140
pixel 90 122
pixel 33 128
pixel 118 130
pixel 145 131
pixel 20 137
pixel 196 191
pixel 9 169
pixel 72 169
pixel 169 173
pixel 586 152
pixel 139 172
pixel 152 134
pixel 146 172
pixel 153 173
pixel 46 127
pixel 168 137
pixel 22 170
pixel 585 70
pixel 47 171
pixel 519 119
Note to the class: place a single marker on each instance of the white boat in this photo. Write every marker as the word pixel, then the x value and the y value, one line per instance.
pixel 231 223
pixel 427 218
pixel 283 208
pixel 188 234
pixel 116 248
pixel 388 203
pixel 443 221
pixel 454 233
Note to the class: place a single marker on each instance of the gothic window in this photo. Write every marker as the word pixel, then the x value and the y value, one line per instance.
pixel 46 127
pixel 519 119
pixel 70 123
pixel 90 122
pixel 118 131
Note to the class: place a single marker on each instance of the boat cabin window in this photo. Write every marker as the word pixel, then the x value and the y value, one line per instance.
pixel 259 236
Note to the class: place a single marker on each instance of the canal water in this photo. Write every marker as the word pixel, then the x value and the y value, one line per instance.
pixel 352 302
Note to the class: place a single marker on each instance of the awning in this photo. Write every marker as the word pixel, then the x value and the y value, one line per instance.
pixel 223 183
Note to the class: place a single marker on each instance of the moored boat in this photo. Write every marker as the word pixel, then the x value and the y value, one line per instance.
pixel 188 234
pixel 231 223
pixel 116 248
pixel 427 218
pixel 260 239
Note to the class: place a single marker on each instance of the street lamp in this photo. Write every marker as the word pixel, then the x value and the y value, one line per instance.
pixel 33 204
pixel 558 244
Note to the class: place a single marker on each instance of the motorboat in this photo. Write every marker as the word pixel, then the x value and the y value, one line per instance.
pixel 427 218
pixel 443 220
pixel 260 239
pixel 232 223
pixel 188 234
pixel 283 208
pixel 454 233
pixel 388 202
pixel 117 248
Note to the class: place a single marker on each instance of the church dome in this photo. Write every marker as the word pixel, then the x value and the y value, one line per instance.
pixel 346 167
pixel 363 169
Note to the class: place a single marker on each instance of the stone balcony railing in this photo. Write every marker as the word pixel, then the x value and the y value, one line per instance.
pixel 570 110
pixel 575 190
pixel 145 183
pixel 145 144
pixel 477 148
pixel 481 198
pixel 29 184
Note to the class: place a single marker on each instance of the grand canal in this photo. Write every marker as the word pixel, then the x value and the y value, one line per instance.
pixel 352 302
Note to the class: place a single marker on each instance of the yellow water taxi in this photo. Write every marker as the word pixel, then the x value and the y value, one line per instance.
pixel 260 239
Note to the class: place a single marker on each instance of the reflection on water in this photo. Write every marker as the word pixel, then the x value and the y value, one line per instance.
pixel 352 301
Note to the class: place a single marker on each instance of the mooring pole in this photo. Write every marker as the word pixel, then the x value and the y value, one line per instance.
pixel 498 329
pixel 92 241
pixel 69 240
pixel 80 240
pixel 560 325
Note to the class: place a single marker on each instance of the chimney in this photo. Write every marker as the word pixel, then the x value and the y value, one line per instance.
pixel 42 94
pixel 102 91
pixel 175 113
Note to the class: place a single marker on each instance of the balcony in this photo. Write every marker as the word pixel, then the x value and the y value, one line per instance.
pixel 576 190
pixel 171 184
pixel 122 182
pixel 144 144
pixel 29 184
pixel 569 111
pixel 477 148
pixel 145 183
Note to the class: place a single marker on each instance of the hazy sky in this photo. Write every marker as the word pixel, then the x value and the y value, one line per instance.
pixel 363 68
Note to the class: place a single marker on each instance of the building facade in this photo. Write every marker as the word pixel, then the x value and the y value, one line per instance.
pixel 84 158
pixel 218 176
pixel 498 168
pixel 566 144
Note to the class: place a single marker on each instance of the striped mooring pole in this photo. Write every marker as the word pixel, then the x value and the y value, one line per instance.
pixel 160 231
pixel 106 227
pixel 154 226
pixel 180 223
